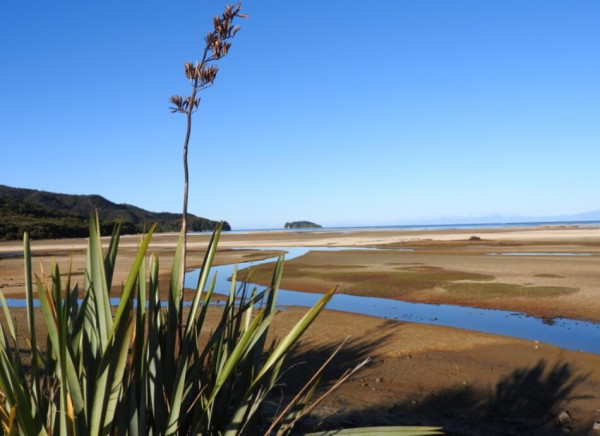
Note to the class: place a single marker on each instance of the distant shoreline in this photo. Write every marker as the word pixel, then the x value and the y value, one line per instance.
pixel 324 229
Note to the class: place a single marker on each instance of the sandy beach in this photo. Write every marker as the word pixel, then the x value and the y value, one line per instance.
pixel 468 382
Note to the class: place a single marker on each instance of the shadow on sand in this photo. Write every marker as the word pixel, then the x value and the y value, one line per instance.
pixel 527 401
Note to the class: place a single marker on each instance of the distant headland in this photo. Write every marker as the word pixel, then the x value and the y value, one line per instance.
pixel 301 225
pixel 48 215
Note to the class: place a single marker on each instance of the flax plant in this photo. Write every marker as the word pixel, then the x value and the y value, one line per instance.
pixel 145 367
pixel 104 370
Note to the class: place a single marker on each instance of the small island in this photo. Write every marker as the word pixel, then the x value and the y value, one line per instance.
pixel 301 225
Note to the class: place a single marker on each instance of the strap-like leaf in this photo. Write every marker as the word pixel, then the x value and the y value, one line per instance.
pixel 254 331
pixel 155 372
pixel 98 283
pixel 109 383
pixel 9 323
pixel 30 315
pixel 26 414
pixel 131 280
pixel 293 335
pixel 111 254
pixel 51 320
pixel 173 315
pixel 203 278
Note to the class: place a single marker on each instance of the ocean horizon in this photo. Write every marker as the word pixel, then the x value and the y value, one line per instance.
pixel 579 223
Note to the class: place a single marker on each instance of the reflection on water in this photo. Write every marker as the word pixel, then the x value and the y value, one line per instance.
pixel 11 254
pixel 565 333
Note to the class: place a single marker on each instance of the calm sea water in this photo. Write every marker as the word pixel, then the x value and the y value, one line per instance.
pixel 594 223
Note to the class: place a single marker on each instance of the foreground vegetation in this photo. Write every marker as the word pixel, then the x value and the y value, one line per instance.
pixel 146 369
pixel 47 215
pixel 142 368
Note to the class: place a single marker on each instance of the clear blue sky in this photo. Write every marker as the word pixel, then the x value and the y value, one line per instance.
pixel 339 112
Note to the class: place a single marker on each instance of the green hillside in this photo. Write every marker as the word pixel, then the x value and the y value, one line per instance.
pixel 48 215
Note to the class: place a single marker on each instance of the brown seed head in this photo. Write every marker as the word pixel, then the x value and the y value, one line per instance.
pixel 201 73
pixel 208 75
pixel 178 101
pixel 189 71
pixel 210 38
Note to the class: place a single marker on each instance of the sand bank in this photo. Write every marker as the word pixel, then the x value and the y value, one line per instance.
pixel 468 382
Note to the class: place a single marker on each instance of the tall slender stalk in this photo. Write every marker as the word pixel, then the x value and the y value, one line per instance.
pixel 201 75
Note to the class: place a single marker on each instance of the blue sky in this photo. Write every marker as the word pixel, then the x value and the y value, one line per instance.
pixel 340 112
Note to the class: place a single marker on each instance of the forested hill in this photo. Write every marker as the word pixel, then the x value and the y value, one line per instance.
pixel 49 215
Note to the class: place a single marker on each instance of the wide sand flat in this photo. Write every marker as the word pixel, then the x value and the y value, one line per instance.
pixel 468 382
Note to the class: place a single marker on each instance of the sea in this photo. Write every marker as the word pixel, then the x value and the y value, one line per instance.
pixel 591 223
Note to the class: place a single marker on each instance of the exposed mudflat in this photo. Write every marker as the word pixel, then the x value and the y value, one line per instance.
pixel 468 382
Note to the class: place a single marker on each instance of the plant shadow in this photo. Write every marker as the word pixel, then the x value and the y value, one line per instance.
pixel 527 401
pixel 308 356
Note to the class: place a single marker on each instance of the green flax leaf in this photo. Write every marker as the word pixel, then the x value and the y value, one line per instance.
pixel 294 334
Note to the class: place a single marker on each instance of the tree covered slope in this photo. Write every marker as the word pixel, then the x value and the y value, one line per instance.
pixel 50 215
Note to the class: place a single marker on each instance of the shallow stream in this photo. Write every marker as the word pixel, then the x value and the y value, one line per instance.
pixel 565 333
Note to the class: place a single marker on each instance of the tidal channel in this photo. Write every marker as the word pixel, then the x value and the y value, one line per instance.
pixel 566 333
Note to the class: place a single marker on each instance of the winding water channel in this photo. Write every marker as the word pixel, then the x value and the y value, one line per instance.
pixel 565 333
